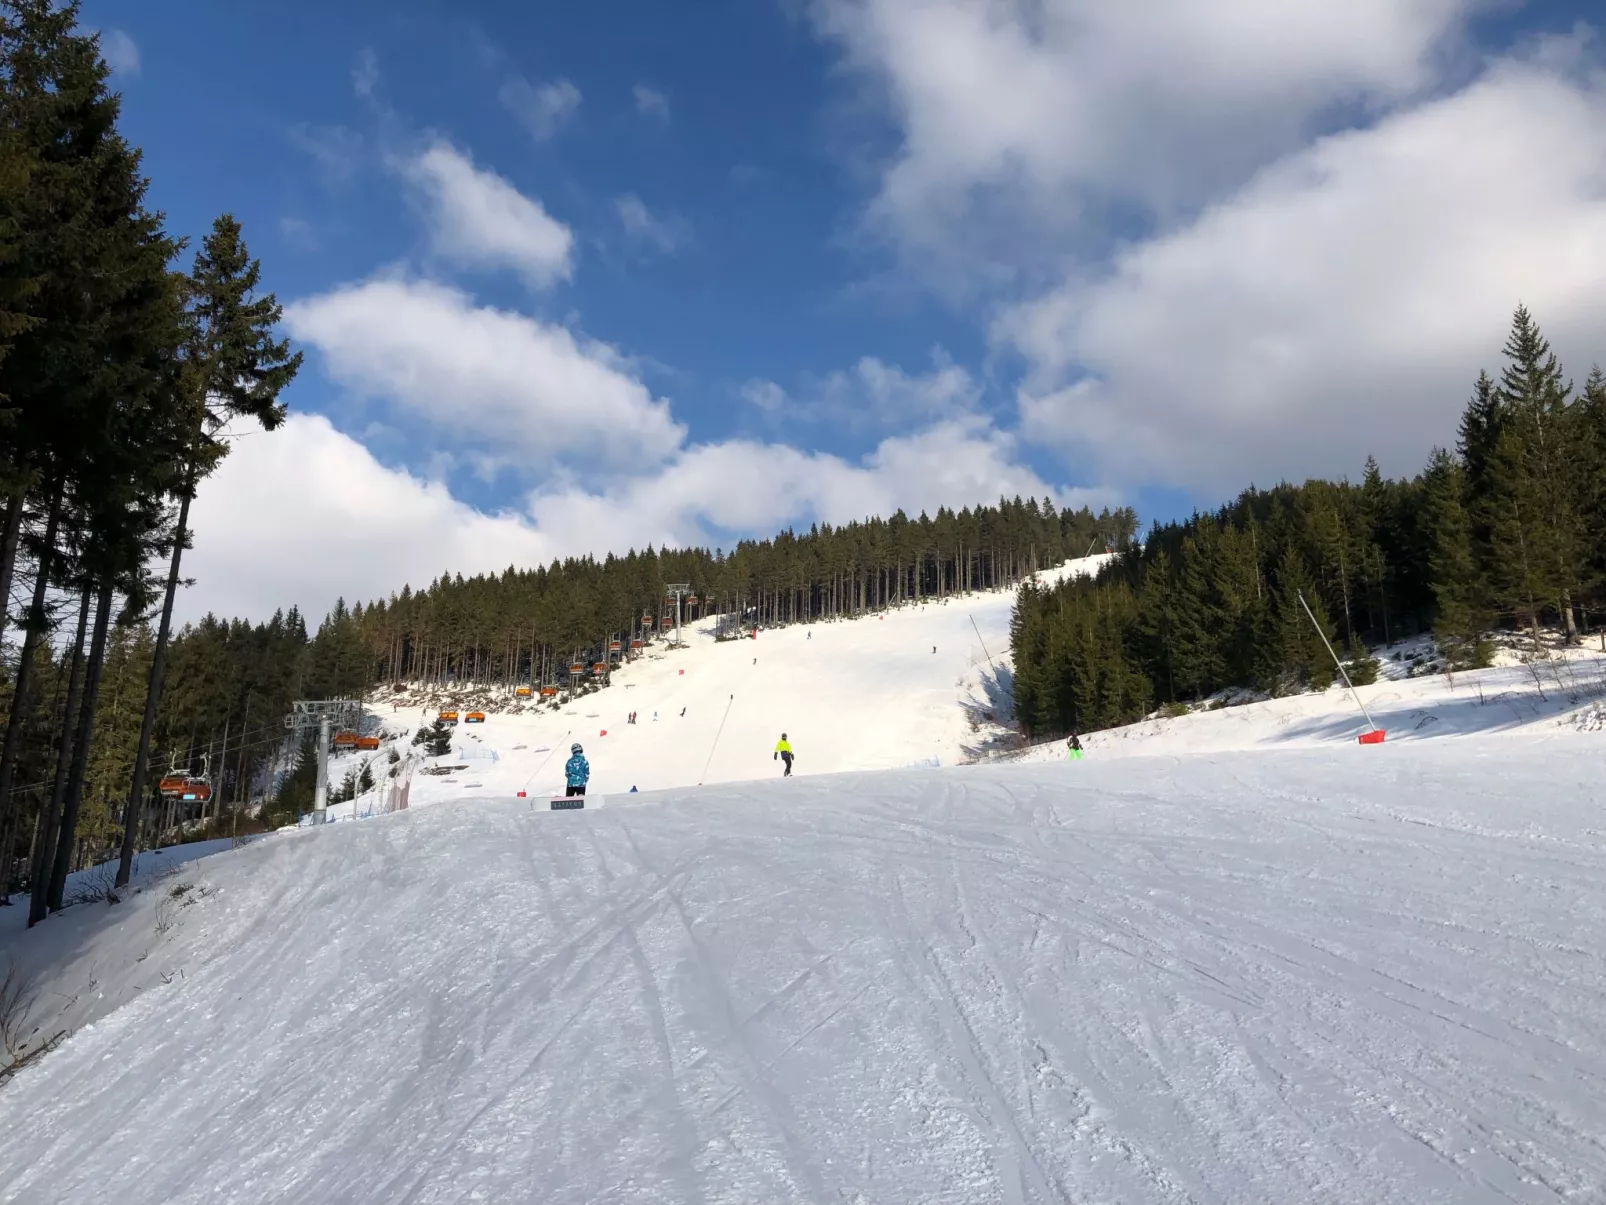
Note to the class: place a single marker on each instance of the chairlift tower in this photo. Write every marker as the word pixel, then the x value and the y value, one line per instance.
pixel 679 590
pixel 322 714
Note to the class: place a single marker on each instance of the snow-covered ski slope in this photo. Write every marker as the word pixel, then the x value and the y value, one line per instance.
pixel 1357 974
pixel 862 694
pixel 870 694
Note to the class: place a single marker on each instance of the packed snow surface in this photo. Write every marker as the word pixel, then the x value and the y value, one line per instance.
pixel 1354 974
pixel 916 685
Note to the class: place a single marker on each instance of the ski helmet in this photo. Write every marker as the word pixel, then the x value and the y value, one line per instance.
pixel 574 748
pixel 783 736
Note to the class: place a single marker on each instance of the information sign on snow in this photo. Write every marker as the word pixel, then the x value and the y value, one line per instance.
pixel 568 803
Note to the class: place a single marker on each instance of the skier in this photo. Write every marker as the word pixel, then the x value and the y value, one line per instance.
pixel 784 752
pixel 577 771
pixel 1074 748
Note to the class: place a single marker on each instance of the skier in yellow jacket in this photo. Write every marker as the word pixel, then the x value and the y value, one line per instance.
pixel 784 752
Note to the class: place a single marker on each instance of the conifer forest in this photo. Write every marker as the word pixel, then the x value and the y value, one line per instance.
pixel 129 358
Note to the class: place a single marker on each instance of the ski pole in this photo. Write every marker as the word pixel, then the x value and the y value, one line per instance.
pixel 715 745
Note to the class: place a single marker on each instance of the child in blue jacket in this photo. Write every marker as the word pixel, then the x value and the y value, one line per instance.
pixel 577 771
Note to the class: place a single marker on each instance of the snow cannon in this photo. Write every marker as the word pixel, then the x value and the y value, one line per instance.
pixel 1374 737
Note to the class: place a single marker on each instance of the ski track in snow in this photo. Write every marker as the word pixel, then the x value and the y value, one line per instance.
pixel 1348 975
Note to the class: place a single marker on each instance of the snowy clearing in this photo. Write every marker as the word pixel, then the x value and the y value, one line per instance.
pixel 1352 975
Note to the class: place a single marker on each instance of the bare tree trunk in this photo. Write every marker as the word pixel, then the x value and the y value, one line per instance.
pixel 44 846
pixel 15 505
pixel 153 693
pixel 21 696
pixel 68 837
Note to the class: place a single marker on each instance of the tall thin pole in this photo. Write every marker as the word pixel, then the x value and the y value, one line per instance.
pixel 717 735
pixel 320 793
pixel 982 642
pixel 1356 694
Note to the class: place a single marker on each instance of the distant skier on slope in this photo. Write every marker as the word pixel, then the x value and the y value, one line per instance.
pixel 576 771
pixel 1073 748
pixel 784 752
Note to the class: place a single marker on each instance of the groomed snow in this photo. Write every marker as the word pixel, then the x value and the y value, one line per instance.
pixel 863 694
pixel 1355 975
pixel 1230 957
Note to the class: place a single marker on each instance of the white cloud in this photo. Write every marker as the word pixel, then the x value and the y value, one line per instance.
pixel 522 388
pixel 264 519
pixel 765 395
pixel 875 395
pixel 337 150
pixel 298 233
pixel 884 394
pixel 483 221
pixel 650 102
pixel 542 109
pixel 120 52
pixel 756 488
pixel 1048 107
pixel 365 73
pixel 1342 302
pixel 642 227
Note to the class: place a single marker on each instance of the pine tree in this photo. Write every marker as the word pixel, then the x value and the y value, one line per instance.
pixel 1457 584
pixel 233 367
pixel 1304 656
pixel 1533 486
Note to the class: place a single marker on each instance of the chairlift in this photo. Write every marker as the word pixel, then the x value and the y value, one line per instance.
pixel 521 692
pixel 474 717
pixel 576 669
pixel 367 744
pixel 614 646
pixel 548 692
pixel 635 644
pixel 345 740
pixel 447 717
pixel 600 667
pixel 198 787
pixel 172 783
pixel 691 600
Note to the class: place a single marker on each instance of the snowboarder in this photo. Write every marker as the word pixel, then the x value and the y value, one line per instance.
pixel 682 711
pixel 577 771
pixel 784 752
pixel 1073 748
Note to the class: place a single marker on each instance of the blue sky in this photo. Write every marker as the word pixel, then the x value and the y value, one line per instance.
pixel 581 277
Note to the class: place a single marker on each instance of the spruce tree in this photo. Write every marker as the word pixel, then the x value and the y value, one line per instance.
pixel 1533 485
pixel 233 367
pixel 1303 654
pixel 1457 585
